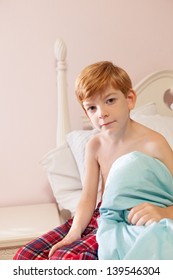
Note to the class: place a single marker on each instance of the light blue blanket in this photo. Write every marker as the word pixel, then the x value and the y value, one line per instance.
pixel 135 178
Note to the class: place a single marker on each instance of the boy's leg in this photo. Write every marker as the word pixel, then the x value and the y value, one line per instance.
pixel 82 249
pixel 85 248
pixel 39 248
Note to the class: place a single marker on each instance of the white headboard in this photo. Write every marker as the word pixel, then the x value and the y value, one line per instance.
pixel 156 87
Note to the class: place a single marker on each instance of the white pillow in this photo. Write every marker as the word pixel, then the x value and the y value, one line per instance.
pixel 63 176
pixel 146 109
pixel 159 123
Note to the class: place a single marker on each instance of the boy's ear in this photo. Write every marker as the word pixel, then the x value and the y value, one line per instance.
pixel 131 99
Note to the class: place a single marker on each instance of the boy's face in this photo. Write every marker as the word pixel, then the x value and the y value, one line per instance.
pixel 109 109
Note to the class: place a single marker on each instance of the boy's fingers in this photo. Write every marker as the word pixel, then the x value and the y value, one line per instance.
pixel 54 248
pixel 57 246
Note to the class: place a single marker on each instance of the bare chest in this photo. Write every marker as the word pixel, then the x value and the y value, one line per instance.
pixel 109 155
pixel 106 162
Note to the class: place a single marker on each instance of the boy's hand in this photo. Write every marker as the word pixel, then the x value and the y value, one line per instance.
pixel 145 214
pixel 68 239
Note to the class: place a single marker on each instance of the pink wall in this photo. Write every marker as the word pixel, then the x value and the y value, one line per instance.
pixel 136 35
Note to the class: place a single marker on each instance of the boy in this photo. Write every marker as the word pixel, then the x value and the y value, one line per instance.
pixel 105 93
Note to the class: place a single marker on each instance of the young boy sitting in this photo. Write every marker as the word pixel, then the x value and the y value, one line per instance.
pixel 106 95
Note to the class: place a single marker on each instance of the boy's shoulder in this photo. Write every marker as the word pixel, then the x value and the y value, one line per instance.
pixel 148 133
pixel 94 141
pixel 156 144
pixel 155 136
pixel 150 140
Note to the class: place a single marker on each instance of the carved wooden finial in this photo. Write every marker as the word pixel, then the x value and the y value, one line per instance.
pixel 60 49
pixel 63 122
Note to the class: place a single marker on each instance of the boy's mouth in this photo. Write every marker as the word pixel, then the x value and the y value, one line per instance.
pixel 106 124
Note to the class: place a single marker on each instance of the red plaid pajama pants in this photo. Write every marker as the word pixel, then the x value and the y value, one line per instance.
pixel 82 249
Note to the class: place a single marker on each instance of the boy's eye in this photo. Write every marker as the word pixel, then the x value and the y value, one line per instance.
pixel 110 100
pixel 91 108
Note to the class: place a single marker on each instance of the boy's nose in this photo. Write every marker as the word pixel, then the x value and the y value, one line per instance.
pixel 102 113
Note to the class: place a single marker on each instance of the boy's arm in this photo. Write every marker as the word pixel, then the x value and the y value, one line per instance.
pixel 164 153
pixel 146 213
pixel 88 198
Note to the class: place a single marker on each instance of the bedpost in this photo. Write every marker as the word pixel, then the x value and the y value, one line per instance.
pixel 63 120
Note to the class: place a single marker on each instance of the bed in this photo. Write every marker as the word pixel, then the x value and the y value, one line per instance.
pixel 64 164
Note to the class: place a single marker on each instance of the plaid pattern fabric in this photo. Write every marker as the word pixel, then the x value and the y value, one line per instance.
pixel 82 249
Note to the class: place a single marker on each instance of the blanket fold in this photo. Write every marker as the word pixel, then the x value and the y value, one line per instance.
pixel 135 178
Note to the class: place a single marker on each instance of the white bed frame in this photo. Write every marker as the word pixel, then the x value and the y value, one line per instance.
pixel 15 233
